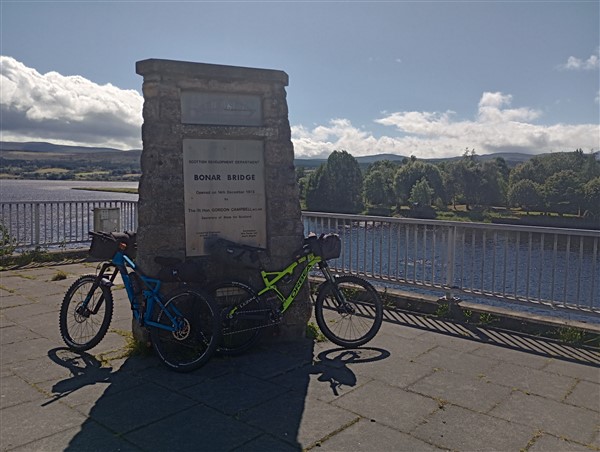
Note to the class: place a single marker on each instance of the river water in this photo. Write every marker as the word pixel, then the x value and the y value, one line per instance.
pixel 18 190
pixel 48 191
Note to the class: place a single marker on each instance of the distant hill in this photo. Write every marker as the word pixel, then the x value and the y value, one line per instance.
pixel 511 158
pixel 61 152
pixel 39 146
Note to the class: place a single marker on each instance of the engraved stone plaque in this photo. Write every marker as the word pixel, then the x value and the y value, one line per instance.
pixel 224 189
pixel 221 109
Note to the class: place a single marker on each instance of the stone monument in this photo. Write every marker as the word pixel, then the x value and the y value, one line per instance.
pixel 218 160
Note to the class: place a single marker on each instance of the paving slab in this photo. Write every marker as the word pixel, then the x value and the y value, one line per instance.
pixel 388 405
pixel 549 443
pixel 15 391
pixel 464 363
pixel 368 435
pixel 96 439
pixel 585 394
pixel 474 393
pixel 456 428
pixel 526 379
pixel 31 421
pixel 10 299
pixel 421 384
pixel 233 393
pixel 299 421
pixel 513 356
pixel 546 415
pixel 197 428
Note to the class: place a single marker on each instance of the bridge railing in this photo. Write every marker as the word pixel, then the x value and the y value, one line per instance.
pixel 535 265
pixel 553 267
pixel 57 223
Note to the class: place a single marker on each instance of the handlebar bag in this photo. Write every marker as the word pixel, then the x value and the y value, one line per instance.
pixel 106 244
pixel 331 246
pixel 327 246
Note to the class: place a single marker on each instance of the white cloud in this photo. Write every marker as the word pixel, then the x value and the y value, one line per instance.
pixel 66 109
pixel 490 109
pixel 577 64
pixel 496 128
pixel 73 110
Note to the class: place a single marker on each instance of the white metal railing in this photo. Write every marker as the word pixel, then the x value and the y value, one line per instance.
pixel 543 266
pixel 57 223
pixel 536 265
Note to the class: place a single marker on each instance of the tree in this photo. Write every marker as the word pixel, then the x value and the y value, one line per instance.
pixel 541 167
pixel 465 179
pixel 421 193
pixel 374 191
pixel 336 186
pixel 493 184
pixel 526 194
pixel 302 181
pixel 317 190
pixel 591 195
pixel 408 175
pixel 475 182
pixel 378 183
pixel 563 192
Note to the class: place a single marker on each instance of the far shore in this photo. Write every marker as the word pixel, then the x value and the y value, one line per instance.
pixel 133 191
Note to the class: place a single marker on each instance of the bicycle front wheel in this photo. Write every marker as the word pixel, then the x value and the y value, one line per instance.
pixel 191 332
pixel 351 320
pixel 82 326
pixel 244 317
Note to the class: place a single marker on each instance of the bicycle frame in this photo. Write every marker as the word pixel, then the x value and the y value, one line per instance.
pixel 150 292
pixel 270 279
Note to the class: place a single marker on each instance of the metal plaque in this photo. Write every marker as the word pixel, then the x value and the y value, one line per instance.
pixel 221 109
pixel 224 187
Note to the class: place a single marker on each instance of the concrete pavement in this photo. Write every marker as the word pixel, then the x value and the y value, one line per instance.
pixel 421 384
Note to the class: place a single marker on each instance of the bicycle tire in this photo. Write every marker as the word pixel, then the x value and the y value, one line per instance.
pixel 192 346
pixel 83 331
pixel 359 322
pixel 247 325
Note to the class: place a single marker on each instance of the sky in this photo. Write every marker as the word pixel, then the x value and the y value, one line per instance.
pixel 425 78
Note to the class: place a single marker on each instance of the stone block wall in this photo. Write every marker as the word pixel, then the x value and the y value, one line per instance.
pixel 161 229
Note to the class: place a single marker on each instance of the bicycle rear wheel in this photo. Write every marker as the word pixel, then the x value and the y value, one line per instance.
pixel 82 328
pixel 192 344
pixel 353 322
pixel 244 328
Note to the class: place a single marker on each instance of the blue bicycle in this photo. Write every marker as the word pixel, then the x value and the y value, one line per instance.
pixel 184 326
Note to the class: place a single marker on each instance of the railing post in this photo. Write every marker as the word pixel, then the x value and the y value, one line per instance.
pixel 451 249
pixel 36 224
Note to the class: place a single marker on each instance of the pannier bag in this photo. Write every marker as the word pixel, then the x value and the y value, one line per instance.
pixel 229 252
pixel 328 246
pixel 106 244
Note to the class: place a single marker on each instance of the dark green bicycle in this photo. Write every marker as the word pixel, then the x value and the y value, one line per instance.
pixel 348 309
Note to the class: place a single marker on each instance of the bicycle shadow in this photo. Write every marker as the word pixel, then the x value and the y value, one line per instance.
pixel 335 370
pixel 85 369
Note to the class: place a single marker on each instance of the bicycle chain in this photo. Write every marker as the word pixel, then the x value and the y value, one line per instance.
pixel 268 324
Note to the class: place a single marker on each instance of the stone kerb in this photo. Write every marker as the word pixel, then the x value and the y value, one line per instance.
pixel 168 88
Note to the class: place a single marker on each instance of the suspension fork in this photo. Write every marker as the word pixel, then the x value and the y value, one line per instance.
pixel 343 306
pixel 100 281
pixel 338 294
